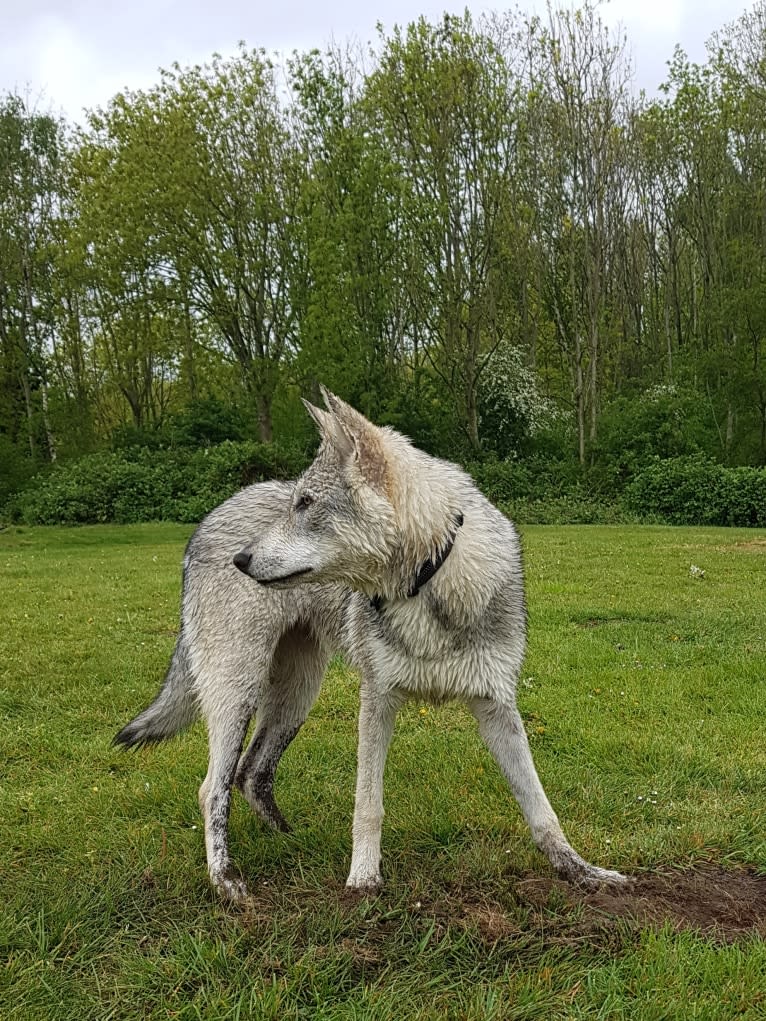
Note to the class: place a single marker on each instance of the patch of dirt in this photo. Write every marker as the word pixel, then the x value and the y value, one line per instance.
pixel 723 904
pixel 752 546
pixel 617 618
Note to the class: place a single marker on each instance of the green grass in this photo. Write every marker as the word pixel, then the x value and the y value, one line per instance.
pixel 639 679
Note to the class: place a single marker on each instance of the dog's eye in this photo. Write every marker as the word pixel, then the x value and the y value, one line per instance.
pixel 304 501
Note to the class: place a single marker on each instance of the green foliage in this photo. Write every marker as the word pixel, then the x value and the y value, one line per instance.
pixel 15 468
pixel 204 423
pixel 512 409
pixel 182 484
pixel 149 485
pixel 546 491
pixel 698 491
pixel 502 481
pixel 415 228
pixel 662 422
pixel 532 478
pixel 418 407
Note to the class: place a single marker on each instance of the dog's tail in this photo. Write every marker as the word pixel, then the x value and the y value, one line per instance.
pixel 173 709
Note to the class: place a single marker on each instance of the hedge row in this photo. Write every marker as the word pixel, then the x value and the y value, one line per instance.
pixel 183 485
pixel 149 485
pixel 697 491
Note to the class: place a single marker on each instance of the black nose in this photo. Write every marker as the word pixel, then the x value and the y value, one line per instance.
pixel 242 561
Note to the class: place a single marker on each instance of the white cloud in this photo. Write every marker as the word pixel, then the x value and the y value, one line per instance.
pixel 80 52
pixel 663 17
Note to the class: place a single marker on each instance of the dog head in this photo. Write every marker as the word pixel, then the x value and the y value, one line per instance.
pixel 340 525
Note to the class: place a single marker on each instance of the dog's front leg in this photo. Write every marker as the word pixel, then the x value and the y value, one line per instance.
pixel 503 731
pixel 377 715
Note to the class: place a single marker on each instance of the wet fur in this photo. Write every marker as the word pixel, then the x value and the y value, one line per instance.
pixel 326 564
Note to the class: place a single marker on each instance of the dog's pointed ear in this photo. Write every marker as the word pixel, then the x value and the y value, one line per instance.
pixel 368 451
pixel 321 417
pixel 354 421
pixel 331 429
pixel 328 397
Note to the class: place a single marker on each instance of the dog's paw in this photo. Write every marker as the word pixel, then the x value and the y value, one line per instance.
pixel 365 884
pixel 575 870
pixel 230 886
pixel 595 878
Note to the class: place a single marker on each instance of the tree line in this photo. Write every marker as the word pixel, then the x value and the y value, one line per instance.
pixel 476 231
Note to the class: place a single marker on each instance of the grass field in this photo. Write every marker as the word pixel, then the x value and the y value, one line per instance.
pixel 644 694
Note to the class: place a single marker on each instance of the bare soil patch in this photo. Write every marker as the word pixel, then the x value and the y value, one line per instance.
pixel 725 905
pixel 722 905
pixel 752 546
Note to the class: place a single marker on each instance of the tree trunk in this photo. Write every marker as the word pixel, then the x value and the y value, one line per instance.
pixel 27 390
pixel 189 350
pixel 265 426
pixel 580 399
pixel 49 437
pixel 472 418
pixel 730 422
pixel 593 372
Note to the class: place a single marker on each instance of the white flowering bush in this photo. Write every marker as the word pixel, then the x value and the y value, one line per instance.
pixel 511 407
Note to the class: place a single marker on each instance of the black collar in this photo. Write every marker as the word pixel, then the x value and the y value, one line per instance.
pixel 428 569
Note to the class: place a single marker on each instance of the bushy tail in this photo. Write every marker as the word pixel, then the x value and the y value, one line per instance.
pixel 173 709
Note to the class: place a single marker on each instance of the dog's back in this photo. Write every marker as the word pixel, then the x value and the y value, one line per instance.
pixel 222 612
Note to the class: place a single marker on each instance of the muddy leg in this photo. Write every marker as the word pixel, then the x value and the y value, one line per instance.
pixel 296 677
pixel 503 731
pixel 226 732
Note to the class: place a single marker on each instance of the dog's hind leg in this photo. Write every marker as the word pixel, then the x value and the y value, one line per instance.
pixel 502 728
pixel 295 679
pixel 227 706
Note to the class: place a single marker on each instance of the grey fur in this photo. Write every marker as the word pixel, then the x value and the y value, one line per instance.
pixel 173 709
pixel 326 564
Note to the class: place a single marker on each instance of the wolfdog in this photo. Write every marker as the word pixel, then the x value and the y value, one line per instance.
pixel 385 554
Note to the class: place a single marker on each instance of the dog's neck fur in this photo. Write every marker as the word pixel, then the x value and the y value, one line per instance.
pixel 427 509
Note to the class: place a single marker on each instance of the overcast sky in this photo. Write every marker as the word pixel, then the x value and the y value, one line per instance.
pixel 70 54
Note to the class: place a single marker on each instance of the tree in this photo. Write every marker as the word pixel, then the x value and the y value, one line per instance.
pixel 354 310
pixel 30 167
pixel 581 75
pixel 219 180
pixel 445 101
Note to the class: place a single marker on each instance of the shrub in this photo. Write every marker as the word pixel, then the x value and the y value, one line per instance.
pixel 512 408
pixel 149 485
pixel 664 421
pixel 501 481
pixel 15 468
pixel 698 491
pixel 573 509
pixel 535 479
pixel 745 497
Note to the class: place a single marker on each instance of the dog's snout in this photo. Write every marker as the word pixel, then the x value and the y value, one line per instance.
pixel 242 561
